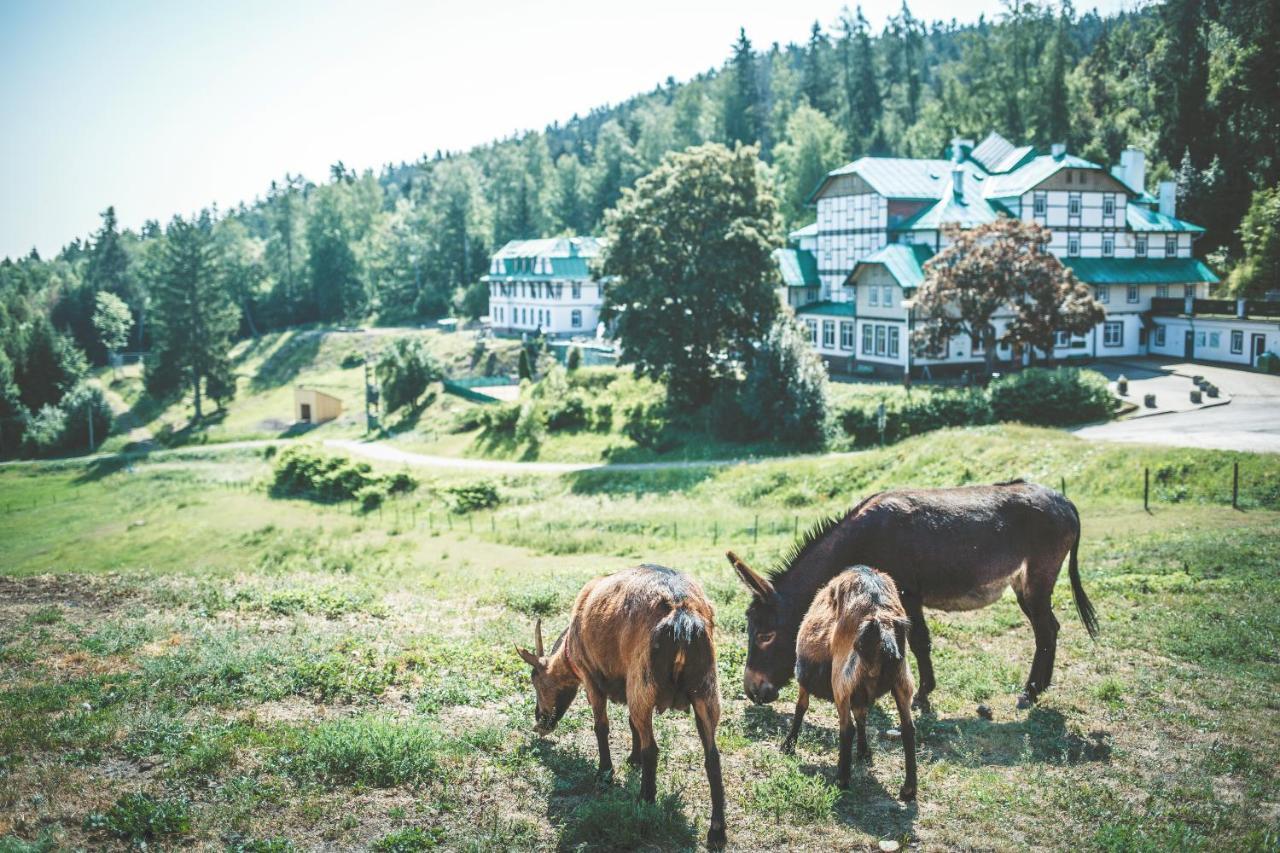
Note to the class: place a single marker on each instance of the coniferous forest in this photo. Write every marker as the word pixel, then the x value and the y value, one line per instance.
pixel 1193 84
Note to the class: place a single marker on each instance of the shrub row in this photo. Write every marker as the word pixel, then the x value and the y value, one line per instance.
pixel 306 472
pixel 1037 396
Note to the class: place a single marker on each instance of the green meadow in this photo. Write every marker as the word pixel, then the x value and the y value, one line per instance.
pixel 188 661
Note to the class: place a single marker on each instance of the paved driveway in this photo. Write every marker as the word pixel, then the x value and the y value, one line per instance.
pixel 1251 422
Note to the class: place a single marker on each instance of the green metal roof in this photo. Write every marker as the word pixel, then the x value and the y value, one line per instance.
pixel 905 263
pixel 1034 172
pixel 1140 218
pixel 1140 270
pixel 896 177
pixel 997 154
pixel 968 211
pixel 799 267
pixel 810 230
pixel 544 260
pixel 827 309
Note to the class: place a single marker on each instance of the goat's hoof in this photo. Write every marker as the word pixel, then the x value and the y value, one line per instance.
pixel 1025 700
pixel 716 836
pixel 908 793
pixel 921 704
pixel 605 775
pixel 633 759
pixel 788 747
pixel 843 783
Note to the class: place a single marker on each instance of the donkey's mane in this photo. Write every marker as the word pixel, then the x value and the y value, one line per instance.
pixel 811 537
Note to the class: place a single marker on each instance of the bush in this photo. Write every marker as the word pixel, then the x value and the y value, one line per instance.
pixel 1044 397
pixel 140 818
pixel 404 371
pixel 784 397
pixel 42 434
pixel 501 420
pixel 915 413
pixel 646 424
pixel 473 496
pixel 83 402
pixel 602 417
pixel 593 378
pixel 352 359
pixel 570 413
pixel 305 472
pixel 573 360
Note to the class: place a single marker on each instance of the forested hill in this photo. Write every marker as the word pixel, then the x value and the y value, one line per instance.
pixel 1194 84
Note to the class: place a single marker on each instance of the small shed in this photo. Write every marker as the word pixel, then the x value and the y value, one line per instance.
pixel 314 407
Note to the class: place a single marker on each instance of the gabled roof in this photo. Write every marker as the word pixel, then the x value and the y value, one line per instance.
pixel 1140 270
pixel 904 262
pixel 896 177
pixel 1034 172
pixel 810 230
pixel 968 210
pixel 828 309
pixel 1141 218
pixel 552 247
pixel 997 154
pixel 799 268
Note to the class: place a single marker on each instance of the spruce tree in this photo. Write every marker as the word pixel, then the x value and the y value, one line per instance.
pixel 814 84
pixel 742 105
pixel 862 86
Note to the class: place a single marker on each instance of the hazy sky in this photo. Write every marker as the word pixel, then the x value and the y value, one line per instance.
pixel 165 107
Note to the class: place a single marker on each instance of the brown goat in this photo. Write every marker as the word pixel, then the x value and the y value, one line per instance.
pixel 641 637
pixel 852 650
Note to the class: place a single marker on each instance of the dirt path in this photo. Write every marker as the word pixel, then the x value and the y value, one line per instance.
pixel 126 422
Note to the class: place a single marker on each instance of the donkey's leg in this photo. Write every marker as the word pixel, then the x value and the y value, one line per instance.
pixel 902 696
pixel 600 715
pixel 918 639
pixel 706 714
pixel 797 720
pixel 634 758
pixel 642 719
pixel 846 743
pixel 1036 602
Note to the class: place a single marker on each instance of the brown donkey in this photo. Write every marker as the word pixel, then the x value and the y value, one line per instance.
pixel 851 650
pixel 952 549
pixel 641 637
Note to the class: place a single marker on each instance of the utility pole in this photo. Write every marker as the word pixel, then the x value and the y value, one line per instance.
pixel 370 400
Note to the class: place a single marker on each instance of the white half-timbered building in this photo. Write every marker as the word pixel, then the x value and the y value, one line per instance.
pixel 852 274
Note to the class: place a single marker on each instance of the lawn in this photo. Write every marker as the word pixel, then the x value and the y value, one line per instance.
pixel 189 661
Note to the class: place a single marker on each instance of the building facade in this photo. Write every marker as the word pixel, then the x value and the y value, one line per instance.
pixel 545 286
pixel 852 275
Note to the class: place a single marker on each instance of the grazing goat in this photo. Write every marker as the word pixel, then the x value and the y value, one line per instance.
pixel 851 650
pixel 641 637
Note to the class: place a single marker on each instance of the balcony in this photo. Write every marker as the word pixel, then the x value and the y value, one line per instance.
pixel 1168 306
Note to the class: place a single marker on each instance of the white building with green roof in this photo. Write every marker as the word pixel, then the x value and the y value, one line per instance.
pixel 545 286
pixel 852 274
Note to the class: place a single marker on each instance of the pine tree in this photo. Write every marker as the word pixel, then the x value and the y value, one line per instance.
pixel 742 105
pixel 814 85
pixel 862 87
pixel 1055 121
pixel 108 267
pixel 193 314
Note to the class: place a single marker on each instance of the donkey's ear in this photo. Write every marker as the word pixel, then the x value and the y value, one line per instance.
pixel 758 584
pixel 531 659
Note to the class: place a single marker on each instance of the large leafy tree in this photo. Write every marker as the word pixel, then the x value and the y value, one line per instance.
pixel 112 320
pixel 193 313
pixel 1001 267
pixel 1260 234
pixel 405 370
pixel 814 146
pixel 689 266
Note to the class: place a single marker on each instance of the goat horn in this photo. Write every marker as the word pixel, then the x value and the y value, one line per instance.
pixel 537 636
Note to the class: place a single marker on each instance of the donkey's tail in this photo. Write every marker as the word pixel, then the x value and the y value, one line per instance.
pixel 681 654
pixel 1083 606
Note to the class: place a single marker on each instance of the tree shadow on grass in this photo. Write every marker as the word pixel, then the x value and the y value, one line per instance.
pixel 594 815
pixel 99 469
pixel 287 361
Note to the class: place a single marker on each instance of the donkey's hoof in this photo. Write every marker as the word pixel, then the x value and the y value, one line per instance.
pixel 788 747
pixel 633 759
pixel 921 704
pixel 716 837
pixel 604 776
pixel 1025 701
pixel 908 793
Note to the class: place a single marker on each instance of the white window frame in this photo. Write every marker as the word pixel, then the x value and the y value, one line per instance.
pixel 1108 205
pixel 846 335
pixel 1113 333
pixel 1132 294
pixel 1073 246
pixel 575 318
pixel 1215 340
pixel 1162 291
pixel 868 339
pixel 1140 246
pixel 575 290
pixel 893 341
pixel 1108 246
pixel 812 326
pixel 1159 336
pixel 873 297
pixel 1171 246
pixel 886 296
pixel 829 334
pixel 1237 341
pixel 882 341
pixel 1039 204
pixel 1104 293
pixel 1061 340
pixel 1073 204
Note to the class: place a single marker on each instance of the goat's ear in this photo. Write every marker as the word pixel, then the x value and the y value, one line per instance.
pixel 758 584
pixel 531 659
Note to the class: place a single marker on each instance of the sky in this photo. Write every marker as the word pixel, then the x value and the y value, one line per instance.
pixel 160 108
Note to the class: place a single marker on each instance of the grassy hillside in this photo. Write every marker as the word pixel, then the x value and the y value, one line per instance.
pixel 188 660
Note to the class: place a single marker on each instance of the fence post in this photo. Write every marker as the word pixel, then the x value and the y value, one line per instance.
pixel 715 533
pixel 755 531
pixel 1235 485
pixel 1146 489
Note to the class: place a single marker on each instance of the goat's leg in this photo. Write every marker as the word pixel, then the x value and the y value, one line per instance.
pixel 902 696
pixel 860 722
pixel 797 720
pixel 642 719
pixel 600 715
pixel 846 743
pixel 634 758
pixel 706 714
pixel 921 647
